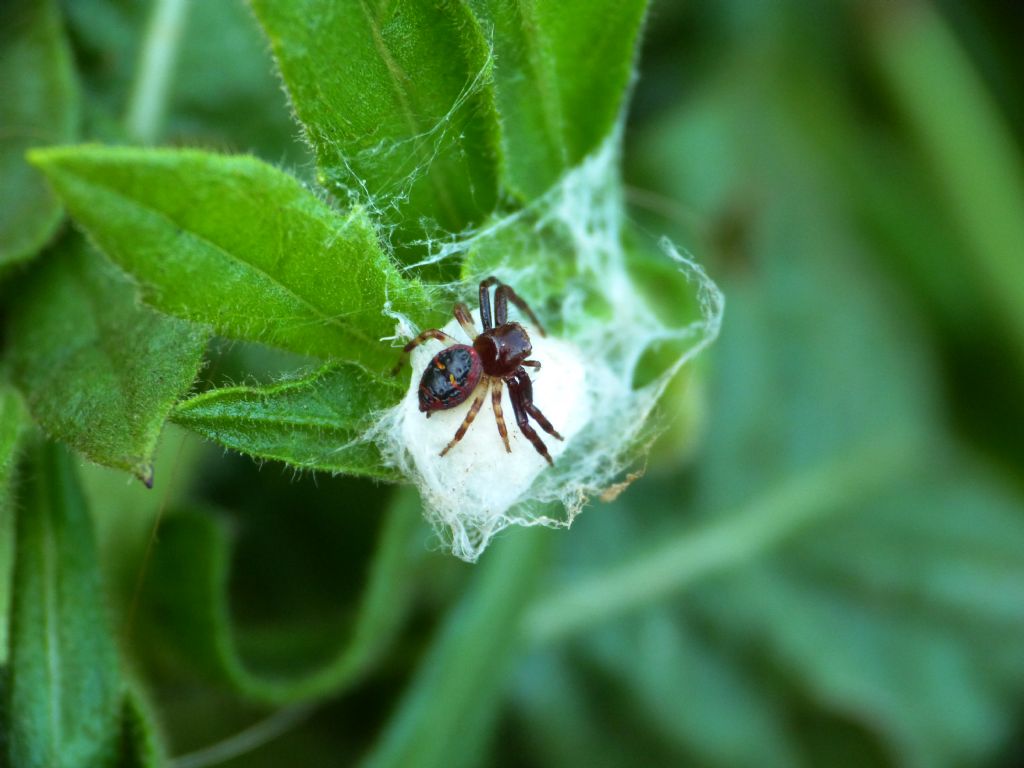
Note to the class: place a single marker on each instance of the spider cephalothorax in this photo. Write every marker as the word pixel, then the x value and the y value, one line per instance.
pixel 497 357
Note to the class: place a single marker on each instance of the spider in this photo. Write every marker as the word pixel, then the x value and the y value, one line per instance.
pixel 496 357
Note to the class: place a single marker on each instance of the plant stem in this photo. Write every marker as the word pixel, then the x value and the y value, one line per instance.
pixel 159 53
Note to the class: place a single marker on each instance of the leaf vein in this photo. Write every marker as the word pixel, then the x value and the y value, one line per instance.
pixel 321 314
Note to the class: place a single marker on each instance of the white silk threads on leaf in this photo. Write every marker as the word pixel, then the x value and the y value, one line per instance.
pixel 585 386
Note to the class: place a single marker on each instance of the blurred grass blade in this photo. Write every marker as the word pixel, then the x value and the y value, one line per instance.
pixel 561 74
pixel 13 423
pixel 397 102
pixel 316 422
pixel 976 162
pixel 186 598
pixel 99 371
pixel 65 698
pixel 447 713
pixel 234 243
pixel 38 105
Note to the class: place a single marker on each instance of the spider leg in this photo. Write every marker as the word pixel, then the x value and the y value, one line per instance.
pixel 535 364
pixel 473 410
pixel 515 392
pixel 465 320
pixel 526 393
pixel 430 333
pixel 505 294
pixel 541 419
pixel 485 302
pixel 499 417
pixel 502 297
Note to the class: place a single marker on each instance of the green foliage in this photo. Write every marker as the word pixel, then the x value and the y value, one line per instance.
pixel 313 422
pixel 394 122
pixel 554 63
pixel 65 696
pixel 140 747
pixel 223 72
pixel 980 178
pixel 13 423
pixel 40 106
pixel 196 231
pixel 842 592
pixel 65 702
pixel 451 705
pixel 827 572
pixel 99 371
pixel 186 596
pixel 105 37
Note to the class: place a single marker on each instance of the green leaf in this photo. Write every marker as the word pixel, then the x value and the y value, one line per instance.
pixel 451 705
pixel 140 745
pixel 973 155
pixel 125 514
pixel 13 423
pixel 223 71
pixel 234 243
pixel 561 74
pixel 844 575
pixel 397 103
pixel 99 371
pixel 186 601
pixel 40 106
pixel 65 696
pixel 884 607
pixel 683 695
pixel 106 38
pixel 315 422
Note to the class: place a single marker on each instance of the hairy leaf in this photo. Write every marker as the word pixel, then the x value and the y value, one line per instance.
pixel 315 422
pixel 40 106
pixel 561 73
pixel 65 698
pixel 13 422
pixel 232 242
pixel 99 371
pixel 396 101
pixel 186 600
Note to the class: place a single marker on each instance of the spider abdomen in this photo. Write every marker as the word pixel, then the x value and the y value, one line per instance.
pixel 449 378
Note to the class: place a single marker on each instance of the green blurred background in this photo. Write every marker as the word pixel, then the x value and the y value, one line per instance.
pixel 824 564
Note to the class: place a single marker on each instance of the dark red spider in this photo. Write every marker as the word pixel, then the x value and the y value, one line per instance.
pixel 496 356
